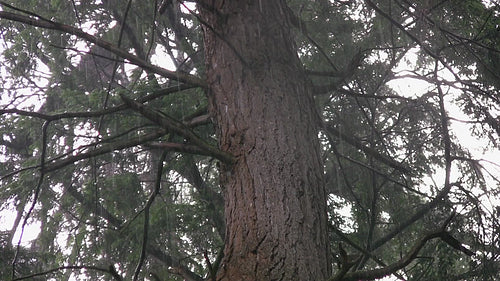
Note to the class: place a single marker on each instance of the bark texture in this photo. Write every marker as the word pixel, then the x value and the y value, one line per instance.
pixel 261 102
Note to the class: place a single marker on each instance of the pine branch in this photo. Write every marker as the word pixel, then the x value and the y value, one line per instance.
pixel 98 113
pixel 111 270
pixel 170 124
pixel 412 255
pixel 145 231
pixel 429 51
pixel 424 209
pixel 35 196
pixel 368 150
pixel 48 24
pixel 55 165
pixel 179 147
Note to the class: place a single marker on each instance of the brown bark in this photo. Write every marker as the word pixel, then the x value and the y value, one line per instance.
pixel 262 104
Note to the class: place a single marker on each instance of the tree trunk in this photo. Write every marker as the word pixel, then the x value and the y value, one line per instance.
pixel 262 105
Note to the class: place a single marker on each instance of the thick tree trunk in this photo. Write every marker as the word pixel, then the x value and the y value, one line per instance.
pixel 261 101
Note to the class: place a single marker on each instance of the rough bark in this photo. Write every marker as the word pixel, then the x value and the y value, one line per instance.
pixel 262 104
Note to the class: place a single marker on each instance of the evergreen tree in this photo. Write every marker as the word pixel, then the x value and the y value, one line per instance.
pixel 250 140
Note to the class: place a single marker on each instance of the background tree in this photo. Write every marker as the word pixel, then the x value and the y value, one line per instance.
pixel 250 140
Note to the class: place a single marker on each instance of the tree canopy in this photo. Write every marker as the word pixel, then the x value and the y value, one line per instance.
pixel 109 148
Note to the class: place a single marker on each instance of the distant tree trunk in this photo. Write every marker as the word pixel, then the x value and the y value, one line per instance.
pixel 262 104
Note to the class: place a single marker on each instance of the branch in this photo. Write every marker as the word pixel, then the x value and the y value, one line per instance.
pixel 104 149
pixel 211 270
pixel 198 120
pixel 35 196
pixel 178 147
pixel 213 201
pixel 358 248
pixel 368 150
pixel 150 201
pixel 179 128
pixel 109 270
pixel 48 24
pixel 174 264
pixel 416 216
pixel 447 185
pixel 98 113
pixel 427 49
pixel 412 254
pixel 301 26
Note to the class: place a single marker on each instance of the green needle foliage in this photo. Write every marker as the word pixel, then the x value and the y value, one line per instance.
pixel 108 192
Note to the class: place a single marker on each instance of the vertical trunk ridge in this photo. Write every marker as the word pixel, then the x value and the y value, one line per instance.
pixel 261 101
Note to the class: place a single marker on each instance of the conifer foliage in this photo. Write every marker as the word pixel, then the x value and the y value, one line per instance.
pixel 249 140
